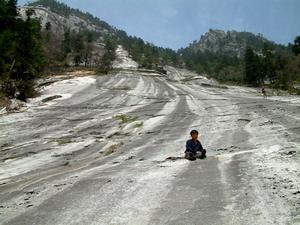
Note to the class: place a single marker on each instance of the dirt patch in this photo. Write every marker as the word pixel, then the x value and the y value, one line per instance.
pixel 62 141
pixel 125 118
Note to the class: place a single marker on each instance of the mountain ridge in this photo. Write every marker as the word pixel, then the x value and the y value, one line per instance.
pixel 232 43
pixel 219 54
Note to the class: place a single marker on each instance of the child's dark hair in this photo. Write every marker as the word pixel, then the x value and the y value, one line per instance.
pixel 194 132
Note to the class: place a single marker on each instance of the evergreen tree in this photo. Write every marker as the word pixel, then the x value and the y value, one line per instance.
pixel 269 66
pixel 48 26
pixel 109 55
pixel 21 59
pixel 66 44
pixel 252 68
pixel 78 48
pixel 296 46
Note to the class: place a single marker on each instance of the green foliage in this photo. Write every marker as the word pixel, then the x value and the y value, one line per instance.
pixel 226 65
pixel 288 72
pixel 296 46
pixel 78 45
pixel 48 26
pixel 146 54
pixel 21 59
pixel 140 124
pixel 126 119
pixel 109 55
pixel 221 67
pixel 281 70
pixel 66 43
pixel 268 63
pixel 253 68
pixel 263 60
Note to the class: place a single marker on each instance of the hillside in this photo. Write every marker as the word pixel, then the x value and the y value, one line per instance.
pixel 217 53
pixel 64 19
pixel 230 43
pixel 63 16
pixel 222 55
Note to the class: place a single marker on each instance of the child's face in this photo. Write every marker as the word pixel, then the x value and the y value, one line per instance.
pixel 194 136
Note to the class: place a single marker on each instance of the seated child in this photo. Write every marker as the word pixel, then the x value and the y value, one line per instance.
pixel 194 148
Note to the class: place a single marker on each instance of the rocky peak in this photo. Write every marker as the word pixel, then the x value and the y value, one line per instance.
pixel 230 43
pixel 59 23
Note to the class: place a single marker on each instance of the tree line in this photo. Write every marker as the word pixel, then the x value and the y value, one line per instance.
pixel 276 66
pixel 280 70
pixel 80 44
pixel 27 50
pixel 147 55
pixel 22 58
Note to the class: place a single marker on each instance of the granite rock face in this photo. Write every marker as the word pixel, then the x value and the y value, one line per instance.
pixel 231 43
pixel 60 23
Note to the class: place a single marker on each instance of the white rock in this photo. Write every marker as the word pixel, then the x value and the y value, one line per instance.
pixel 16 105
pixel 133 126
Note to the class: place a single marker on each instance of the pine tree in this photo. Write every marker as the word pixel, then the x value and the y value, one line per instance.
pixel 252 68
pixel 78 48
pixel 109 55
pixel 296 46
pixel 269 66
pixel 66 43
pixel 21 59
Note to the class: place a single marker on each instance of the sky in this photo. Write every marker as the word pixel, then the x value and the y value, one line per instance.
pixel 176 23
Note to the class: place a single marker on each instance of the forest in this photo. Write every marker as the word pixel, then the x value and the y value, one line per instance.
pixel 272 65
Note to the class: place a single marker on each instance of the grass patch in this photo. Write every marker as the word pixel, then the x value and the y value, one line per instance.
pixel 294 222
pixel 62 141
pixel 125 118
pixel 294 91
pixel 140 124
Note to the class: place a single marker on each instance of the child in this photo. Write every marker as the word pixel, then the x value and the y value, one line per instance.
pixel 263 91
pixel 194 148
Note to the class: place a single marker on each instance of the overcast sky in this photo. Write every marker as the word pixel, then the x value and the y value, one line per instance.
pixel 176 23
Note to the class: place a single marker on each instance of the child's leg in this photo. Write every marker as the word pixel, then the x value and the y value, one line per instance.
pixel 201 155
pixel 190 156
pixel 198 155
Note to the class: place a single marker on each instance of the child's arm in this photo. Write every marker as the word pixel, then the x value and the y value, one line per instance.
pixel 200 147
pixel 188 147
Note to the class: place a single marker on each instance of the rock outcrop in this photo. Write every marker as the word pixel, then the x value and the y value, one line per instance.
pixel 59 23
pixel 231 43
